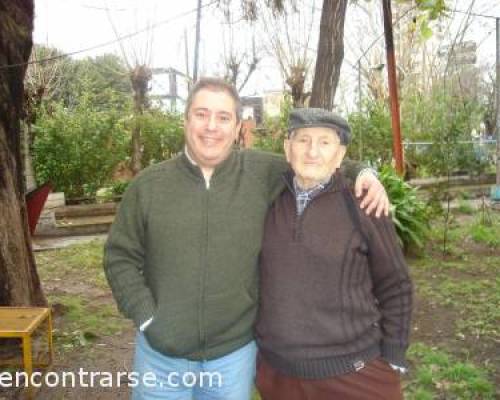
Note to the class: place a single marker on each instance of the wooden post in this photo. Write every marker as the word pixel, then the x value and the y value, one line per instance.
pixel 397 147
pixel 246 135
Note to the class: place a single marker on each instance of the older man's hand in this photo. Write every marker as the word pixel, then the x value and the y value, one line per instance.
pixel 375 197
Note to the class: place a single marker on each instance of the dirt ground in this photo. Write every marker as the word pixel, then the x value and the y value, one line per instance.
pixel 107 354
pixel 114 353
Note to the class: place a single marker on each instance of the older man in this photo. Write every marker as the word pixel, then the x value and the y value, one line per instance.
pixel 335 295
pixel 181 257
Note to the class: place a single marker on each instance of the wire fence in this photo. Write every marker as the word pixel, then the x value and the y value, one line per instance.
pixel 483 151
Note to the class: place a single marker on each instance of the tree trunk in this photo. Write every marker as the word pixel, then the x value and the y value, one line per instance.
pixel 19 282
pixel 140 77
pixel 296 81
pixel 330 54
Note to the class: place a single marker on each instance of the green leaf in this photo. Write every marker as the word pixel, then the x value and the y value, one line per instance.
pixel 425 30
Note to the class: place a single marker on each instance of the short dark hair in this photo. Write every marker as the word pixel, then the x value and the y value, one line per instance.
pixel 215 85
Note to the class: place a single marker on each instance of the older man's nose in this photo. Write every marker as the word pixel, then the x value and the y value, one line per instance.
pixel 313 150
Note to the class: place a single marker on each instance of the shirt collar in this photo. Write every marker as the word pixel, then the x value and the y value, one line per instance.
pixel 312 191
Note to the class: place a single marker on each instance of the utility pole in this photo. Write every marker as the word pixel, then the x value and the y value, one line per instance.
pixel 397 148
pixel 186 53
pixel 359 85
pixel 495 191
pixel 197 43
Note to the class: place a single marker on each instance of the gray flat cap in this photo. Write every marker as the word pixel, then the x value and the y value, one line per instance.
pixel 318 117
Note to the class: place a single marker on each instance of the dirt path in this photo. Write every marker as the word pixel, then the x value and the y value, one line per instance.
pixel 108 356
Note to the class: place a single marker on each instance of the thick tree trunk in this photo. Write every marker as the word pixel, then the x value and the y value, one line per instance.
pixel 19 282
pixel 330 54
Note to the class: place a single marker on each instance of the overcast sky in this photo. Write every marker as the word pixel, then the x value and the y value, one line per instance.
pixel 75 25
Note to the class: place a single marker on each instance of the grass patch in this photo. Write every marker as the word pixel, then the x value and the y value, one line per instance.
pixel 489 235
pixel 438 375
pixel 484 229
pixel 77 289
pixel 464 207
pixel 456 284
pixel 84 322
pixel 82 259
pixel 464 286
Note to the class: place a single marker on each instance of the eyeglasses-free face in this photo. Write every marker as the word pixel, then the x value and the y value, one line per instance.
pixel 211 127
pixel 314 154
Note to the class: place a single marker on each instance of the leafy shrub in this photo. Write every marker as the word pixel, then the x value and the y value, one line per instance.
pixel 274 130
pixel 162 135
pixel 119 187
pixel 438 118
pixel 371 134
pixel 77 150
pixel 446 120
pixel 409 213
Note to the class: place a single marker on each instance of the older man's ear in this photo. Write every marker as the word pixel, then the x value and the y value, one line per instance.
pixel 340 156
pixel 286 148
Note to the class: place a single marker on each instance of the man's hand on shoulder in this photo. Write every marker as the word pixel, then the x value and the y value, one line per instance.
pixel 375 198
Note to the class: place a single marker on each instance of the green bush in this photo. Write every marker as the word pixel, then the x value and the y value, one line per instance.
pixel 436 116
pixel 409 213
pixel 446 120
pixel 274 130
pixel 162 135
pixel 119 187
pixel 77 150
pixel 371 134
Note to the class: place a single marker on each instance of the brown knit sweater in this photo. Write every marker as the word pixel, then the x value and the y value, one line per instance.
pixel 334 290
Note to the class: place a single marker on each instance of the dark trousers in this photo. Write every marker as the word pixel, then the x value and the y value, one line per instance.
pixel 376 381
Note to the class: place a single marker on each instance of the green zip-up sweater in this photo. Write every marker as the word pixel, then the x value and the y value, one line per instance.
pixel 187 255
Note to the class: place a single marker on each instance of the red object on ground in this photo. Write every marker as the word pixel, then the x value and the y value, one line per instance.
pixel 35 200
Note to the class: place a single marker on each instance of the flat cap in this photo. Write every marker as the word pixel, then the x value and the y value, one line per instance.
pixel 318 117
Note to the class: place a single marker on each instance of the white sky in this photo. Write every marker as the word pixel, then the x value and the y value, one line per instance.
pixel 73 25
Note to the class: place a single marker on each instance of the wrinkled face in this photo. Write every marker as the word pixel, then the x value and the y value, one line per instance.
pixel 314 154
pixel 211 127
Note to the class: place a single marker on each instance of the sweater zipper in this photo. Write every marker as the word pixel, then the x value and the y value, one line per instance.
pixel 203 275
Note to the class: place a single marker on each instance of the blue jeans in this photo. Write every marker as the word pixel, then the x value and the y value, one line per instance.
pixel 230 377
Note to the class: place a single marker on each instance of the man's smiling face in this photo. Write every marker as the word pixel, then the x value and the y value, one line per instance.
pixel 211 127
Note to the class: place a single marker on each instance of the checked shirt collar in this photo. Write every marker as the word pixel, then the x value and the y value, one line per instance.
pixel 304 197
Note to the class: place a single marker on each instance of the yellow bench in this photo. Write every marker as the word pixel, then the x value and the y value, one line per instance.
pixel 21 322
